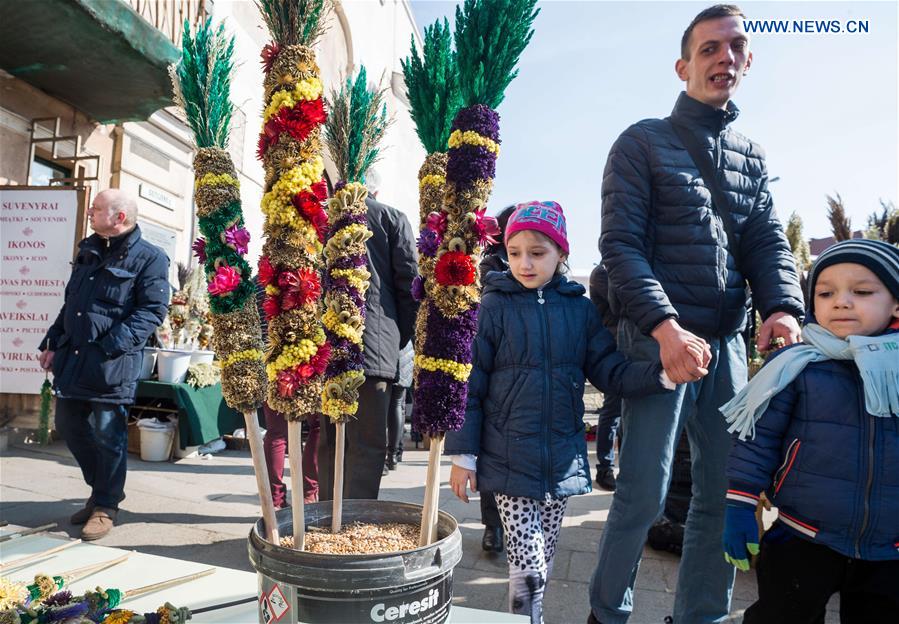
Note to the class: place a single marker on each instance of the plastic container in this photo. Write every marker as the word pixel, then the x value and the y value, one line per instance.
pixel 149 362
pixel 172 365
pixel 202 357
pixel 411 586
pixel 156 439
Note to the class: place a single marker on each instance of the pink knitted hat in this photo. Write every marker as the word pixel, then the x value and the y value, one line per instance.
pixel 545 217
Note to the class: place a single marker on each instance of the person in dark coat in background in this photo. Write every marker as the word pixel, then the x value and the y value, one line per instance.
pixel 396 416
pixel 678 282
pixel 389 326
pixel 495 259
pixel 116 297
pixel 610 412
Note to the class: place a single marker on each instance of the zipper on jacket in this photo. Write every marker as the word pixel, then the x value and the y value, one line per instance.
pixel 870 461
pixel 722 234
pixel 791 453
pixel 546 451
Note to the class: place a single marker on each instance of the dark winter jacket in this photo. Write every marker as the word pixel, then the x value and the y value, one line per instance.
pixel 599 295
pixel 389 307
pixel 115 299
pixel 665 246
pixel 830 467
pixel 524 418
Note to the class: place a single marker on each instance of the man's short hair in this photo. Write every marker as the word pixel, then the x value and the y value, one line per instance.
pixel 713 12
pixel 121 202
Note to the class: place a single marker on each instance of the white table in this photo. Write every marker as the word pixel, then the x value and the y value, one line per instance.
pixel 141 569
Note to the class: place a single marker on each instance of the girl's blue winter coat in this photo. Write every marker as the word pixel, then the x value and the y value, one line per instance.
pixel 524 418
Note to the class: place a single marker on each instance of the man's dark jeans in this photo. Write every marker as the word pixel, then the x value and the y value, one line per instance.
pixel 97 435
pixel 366 444
pixel 607 429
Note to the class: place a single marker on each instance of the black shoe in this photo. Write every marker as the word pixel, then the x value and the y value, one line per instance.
pixel 385 471
pixel 390 462
pixel 493 539
pixel 605 478
pixel 667 536
pixel 398 456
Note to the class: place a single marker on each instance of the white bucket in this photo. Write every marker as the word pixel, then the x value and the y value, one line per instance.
pixel 202 357
pixel 156 439
pixel 172 365
pixel 149 363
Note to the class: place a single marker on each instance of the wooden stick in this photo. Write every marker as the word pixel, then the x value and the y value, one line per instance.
pixel 23 533
pixel 339 448
pixel 17 563
pixel 428 532
pixel 79 573
pixel 265 488
pixel 295 455
pixel 149 589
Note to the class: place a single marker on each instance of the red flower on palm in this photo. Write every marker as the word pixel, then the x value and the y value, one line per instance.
pixel 454 268
pixel 298 288
pixel 266 271
pixel 287 384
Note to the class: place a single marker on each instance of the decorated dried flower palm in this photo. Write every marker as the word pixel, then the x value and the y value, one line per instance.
pixel 490 36
pixel 202 84
pixel 356 124
pixel 432 83
pixel 295 226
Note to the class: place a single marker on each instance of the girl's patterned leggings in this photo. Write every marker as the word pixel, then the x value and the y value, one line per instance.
pixel 531 529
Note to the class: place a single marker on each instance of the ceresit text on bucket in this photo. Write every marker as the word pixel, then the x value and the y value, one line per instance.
pixel 382 613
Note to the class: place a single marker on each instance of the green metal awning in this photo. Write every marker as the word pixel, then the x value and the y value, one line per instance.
pixel 100 56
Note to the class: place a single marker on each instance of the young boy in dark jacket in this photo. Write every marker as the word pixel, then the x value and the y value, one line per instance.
pixel 825 450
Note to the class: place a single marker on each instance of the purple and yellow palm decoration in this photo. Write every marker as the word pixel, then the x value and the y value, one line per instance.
pixel 490 37
pixel 356 124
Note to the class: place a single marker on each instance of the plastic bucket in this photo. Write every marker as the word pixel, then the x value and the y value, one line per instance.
pixel 412 586
pixel 148 363
pixel 156 439
pixel 202 357
pixel 172 365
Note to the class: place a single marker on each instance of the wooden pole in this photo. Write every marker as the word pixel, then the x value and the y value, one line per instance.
pixel 23 533
pixel 295 455
pixel 428 532
pixel 339 448
pixel 262 484
pixel 79 573
pixel 17 563
pixel 149 589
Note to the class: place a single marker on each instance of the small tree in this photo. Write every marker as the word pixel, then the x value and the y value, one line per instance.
pixel 885 224
pixel 839 222
pixel 798 244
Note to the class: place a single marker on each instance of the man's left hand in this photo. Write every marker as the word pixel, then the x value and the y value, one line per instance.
pixel 779 325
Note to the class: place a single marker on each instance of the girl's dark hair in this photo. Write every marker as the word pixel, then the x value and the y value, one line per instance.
pixel 502 219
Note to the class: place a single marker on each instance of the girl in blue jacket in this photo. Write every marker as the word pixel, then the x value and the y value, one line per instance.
pixel 523 438
pixel 825 450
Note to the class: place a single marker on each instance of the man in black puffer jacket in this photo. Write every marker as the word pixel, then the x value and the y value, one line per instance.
pixel 389 325
pixel 679 287
pixel 115 299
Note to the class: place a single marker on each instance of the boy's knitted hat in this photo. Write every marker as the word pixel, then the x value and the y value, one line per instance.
pixel 880 258
pixel 545 217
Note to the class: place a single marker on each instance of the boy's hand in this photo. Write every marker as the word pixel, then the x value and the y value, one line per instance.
pixel 741 536
pixel 460 478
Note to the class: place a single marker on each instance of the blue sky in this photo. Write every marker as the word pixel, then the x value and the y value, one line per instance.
pixel 824 106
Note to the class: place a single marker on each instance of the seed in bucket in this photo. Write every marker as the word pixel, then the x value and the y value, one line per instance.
pixel 358 539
